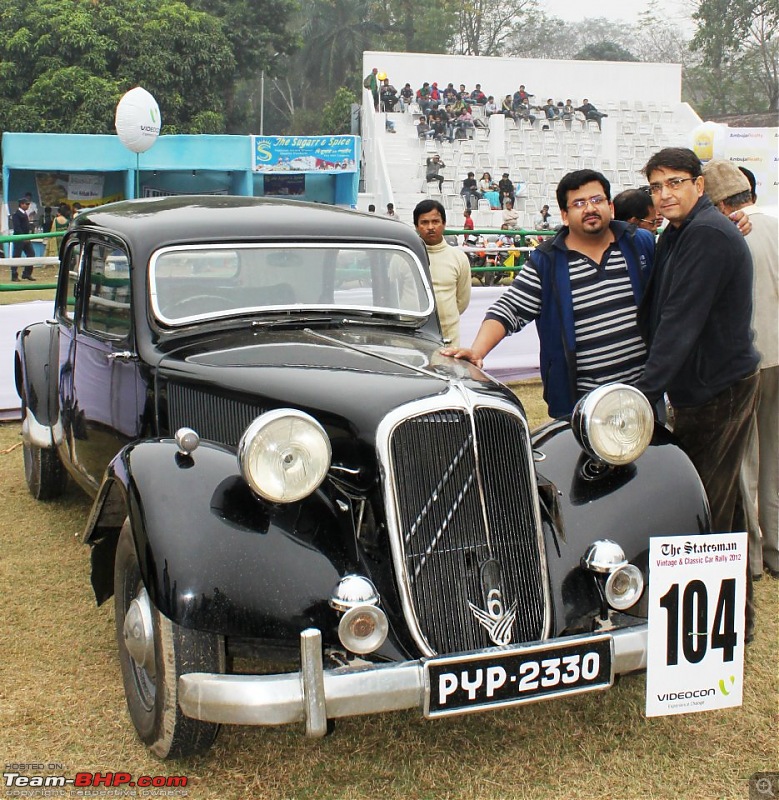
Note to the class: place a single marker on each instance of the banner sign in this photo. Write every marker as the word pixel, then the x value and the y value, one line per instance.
pixel 82 187
pixel 697 595
pixel 304 153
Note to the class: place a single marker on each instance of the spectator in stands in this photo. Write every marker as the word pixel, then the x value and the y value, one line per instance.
pixel 550 109
pixel 470 190
pixel 522 111
pixel 521 96
pixel 637 206
pixel 463 124
pixel 604 267
pixel 490 107
pixel 506 107
pixel 506 189
pixel 450 95
pixel 424 131
pixel 434 165
pixel 510 216
pixel 543 222
pixel 449 268
pixel 477 96
pixel 435 95
pixel 729 188
pixel 468 220
pixel 406 96
pixel 486 184
pixel 371 208
pixel 567 113
pixel 388 96
pixel 463 94
pixel 423 98
pixel 590 112
pixel 391 213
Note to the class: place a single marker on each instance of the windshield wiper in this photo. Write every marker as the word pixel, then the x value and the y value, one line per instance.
pixel 291 319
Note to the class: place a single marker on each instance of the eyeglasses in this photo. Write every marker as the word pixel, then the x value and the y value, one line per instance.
pixel 672 184
pixel 597 200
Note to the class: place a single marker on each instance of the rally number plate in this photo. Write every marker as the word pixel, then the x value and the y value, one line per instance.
pixel 497 678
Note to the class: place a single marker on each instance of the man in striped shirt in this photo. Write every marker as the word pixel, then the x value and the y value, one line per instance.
pixel 582 288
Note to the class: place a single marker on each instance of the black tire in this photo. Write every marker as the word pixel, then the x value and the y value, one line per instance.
pixel 45 475
pixel 152 699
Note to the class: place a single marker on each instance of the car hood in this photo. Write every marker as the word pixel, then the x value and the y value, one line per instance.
pixel 347 378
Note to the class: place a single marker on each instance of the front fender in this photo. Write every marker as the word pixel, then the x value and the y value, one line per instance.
pixel 212 555
pixel 35 375
pixel 660 494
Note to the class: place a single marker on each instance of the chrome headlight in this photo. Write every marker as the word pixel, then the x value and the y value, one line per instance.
pixel 613 423
pixel 284 455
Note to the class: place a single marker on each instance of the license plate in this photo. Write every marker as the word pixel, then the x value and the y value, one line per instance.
pixel 505 677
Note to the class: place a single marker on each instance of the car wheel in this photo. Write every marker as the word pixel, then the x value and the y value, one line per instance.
pixel 154 652
pixel 45 475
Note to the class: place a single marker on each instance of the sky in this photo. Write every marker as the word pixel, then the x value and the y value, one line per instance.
pixel 672 11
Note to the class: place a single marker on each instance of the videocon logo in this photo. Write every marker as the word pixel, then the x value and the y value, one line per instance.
pixel 727 686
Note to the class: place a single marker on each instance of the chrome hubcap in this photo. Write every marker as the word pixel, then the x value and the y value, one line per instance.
pixel 139 632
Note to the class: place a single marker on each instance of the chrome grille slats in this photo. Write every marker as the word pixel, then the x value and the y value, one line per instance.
pixel 220 419
pixel 462 492
pixel 510 514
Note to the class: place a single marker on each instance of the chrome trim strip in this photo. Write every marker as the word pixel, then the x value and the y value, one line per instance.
pixel 457 397
pixel 348 691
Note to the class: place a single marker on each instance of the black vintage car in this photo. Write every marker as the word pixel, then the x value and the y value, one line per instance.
pixel 285 469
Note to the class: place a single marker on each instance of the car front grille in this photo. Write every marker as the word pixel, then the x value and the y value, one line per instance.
pixel 466 537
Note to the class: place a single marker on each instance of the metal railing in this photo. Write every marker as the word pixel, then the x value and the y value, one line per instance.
pixel 526 245
pixel 26 261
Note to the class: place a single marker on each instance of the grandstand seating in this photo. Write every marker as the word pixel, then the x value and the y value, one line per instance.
pixel 535 159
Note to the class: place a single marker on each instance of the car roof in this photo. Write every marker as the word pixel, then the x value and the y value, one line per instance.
pixel 214 218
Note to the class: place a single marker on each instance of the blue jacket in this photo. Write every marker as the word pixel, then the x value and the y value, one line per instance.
pixel 555 323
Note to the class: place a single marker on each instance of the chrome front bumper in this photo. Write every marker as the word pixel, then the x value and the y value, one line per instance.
pixel 315 695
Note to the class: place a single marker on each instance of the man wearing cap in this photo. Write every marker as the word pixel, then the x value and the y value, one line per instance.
pixel 729 189
pixel 696 318
pixel 21 225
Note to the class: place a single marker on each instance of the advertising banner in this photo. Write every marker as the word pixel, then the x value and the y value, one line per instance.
pixel 304 153
pixel 61 187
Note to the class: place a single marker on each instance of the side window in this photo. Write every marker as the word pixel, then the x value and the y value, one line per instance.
pixel 69 289
pixel 107 289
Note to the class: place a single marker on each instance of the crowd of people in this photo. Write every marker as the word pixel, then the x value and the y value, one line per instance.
pixel 673 317
pixel 447 113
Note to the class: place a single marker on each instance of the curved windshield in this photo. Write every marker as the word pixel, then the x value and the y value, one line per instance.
pixel 201 282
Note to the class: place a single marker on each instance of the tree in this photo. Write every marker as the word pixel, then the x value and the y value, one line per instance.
pixel 740 36
pixel 484 26
pixel 64 65
pixel 604 50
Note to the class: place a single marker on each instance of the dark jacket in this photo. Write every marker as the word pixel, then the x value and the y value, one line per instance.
pixel 21 222
pixel 697 311
pixel 555 324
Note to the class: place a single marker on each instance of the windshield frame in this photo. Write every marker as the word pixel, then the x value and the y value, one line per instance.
pixel 338 310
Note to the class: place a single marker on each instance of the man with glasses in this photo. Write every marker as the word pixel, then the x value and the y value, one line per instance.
pixel 696 320
pixel 582 287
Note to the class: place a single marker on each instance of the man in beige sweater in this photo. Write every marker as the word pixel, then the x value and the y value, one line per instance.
pixel 449 267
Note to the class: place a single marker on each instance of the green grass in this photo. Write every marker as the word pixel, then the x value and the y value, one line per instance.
pixel 61 701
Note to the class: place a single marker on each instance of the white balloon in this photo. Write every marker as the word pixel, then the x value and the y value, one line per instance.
pixel 138 120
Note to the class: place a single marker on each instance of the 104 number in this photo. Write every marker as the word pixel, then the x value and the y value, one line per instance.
pixel 695 623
